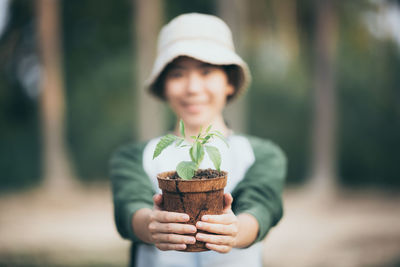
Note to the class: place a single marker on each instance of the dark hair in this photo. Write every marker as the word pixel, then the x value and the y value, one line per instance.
pixel 235 77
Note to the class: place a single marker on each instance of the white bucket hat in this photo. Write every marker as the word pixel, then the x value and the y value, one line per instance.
pixel 204 37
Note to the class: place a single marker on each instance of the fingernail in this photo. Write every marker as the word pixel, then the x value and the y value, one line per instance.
pixel 199 224
pixel 204 218
pixel 185 217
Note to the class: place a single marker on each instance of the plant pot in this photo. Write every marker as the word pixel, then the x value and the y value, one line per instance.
pixel 195 197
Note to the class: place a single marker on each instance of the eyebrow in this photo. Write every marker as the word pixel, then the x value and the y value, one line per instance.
pixel 178 65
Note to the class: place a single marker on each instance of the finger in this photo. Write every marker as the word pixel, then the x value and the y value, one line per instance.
pixel 228 199
pixel 157 200
pixel 167 246
pixel 221 229
pixel 219 248
pixel 167 216
pixel 173 238
pixel 223 240
pixel 228 218
pixel 177 228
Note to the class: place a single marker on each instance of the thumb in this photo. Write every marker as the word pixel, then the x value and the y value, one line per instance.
pixel 228 199
pixel 157 200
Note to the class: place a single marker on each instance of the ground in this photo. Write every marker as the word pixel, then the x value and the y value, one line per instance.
pixel 355 228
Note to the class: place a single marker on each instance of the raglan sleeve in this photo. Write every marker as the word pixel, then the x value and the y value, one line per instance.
pixel 260 191
pixel 131 187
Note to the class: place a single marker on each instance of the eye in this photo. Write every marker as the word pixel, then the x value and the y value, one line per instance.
pixel 206 70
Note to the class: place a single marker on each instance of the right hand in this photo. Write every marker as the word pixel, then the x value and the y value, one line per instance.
pixel 168 230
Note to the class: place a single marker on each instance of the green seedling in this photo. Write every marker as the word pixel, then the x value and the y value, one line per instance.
pixel 187 169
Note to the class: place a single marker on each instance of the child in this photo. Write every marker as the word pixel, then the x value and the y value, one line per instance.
pixel 197 72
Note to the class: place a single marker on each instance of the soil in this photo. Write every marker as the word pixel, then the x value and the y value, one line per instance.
pixel 201 174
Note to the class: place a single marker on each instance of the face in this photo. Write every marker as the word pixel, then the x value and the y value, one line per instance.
pixel 197 91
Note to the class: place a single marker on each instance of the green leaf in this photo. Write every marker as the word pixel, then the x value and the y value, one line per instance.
pixel 197 153
pixel 186 169
pixel 215 156
pixel 200 153
pixel 163 144
pixel 208 128
pixel 205 139
pixel 179 142
pixel 193 153
pixel 201 129
pixel 182 128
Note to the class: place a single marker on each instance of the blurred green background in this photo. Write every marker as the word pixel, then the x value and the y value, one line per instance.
pixel 326 88
pixel 98 50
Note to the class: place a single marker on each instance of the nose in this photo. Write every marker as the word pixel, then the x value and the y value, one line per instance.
pixel 194 83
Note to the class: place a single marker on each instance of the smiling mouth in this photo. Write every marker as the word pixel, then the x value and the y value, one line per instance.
pixel 194 107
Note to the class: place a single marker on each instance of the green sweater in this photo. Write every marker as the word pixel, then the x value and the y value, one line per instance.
pixel 257 193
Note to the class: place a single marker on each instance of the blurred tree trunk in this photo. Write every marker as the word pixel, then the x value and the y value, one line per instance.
pixel 57 170
pixel 234 13
pixel 148 18
pixel 323 180
pixel 286 25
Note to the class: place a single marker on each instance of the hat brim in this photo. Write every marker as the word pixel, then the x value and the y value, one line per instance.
pixel 203 50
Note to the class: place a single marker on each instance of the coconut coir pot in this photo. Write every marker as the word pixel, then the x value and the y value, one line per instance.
pixel 195 197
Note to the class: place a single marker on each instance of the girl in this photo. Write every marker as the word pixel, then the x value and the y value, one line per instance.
pixel 197 72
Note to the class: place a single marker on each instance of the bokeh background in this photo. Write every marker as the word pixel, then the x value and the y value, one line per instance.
pixel 326 88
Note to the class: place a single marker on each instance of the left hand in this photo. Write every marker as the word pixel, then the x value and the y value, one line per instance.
pixel 223 228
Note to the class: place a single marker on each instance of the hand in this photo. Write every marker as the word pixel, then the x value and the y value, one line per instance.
pixel 167 229
pixel 226 226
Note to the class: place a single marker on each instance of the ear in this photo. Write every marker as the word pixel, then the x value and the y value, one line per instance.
pixel 230 89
